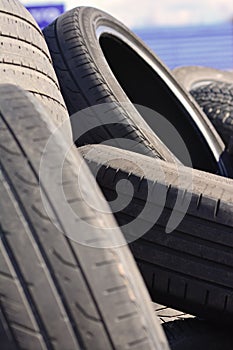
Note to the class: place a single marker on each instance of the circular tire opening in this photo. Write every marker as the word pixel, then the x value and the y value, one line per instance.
pixel 145 87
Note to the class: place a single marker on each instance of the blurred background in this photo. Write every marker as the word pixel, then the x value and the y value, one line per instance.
pixel 180 32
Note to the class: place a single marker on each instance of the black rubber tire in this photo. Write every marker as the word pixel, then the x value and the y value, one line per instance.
pixel 56 293
pixel 191 77
pixel 83 85
pixel 25 59
pixel 5 338
pixel 163 313
pixel 190 269
pixel 212 89
pixel 95 67
pixel 198 334
pixel 216 100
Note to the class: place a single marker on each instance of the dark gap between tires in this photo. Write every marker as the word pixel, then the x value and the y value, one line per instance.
pixel 145 87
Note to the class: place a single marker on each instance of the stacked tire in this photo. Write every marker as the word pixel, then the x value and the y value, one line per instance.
pixel 68 279
pixel 52 292
pixel 213 91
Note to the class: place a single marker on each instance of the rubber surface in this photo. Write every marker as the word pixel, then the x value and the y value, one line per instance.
pixel 212 89
pixel 182 330
pixel 191 268
pixel 98 60
pixel 83 85
pixel 216 100
pixel 195 334
pixel 25 59
pixel 192 77
pixel 56 293
pixel 163 313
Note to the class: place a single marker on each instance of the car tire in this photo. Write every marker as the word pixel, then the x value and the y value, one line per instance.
pixel 187 263
pixel 25 59
pixel 98 60
pixel 59 291
pixel 212 90
pixel 192 77
pixel 216 100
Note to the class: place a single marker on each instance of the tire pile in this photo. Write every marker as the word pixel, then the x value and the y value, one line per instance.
pixel 116 191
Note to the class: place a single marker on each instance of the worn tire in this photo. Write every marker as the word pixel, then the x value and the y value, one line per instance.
pixel 191 268
pixel 94 67
pixel 25 59
pixel 57 293
pixel 213 91
pixel 191 77
pixel 216 100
